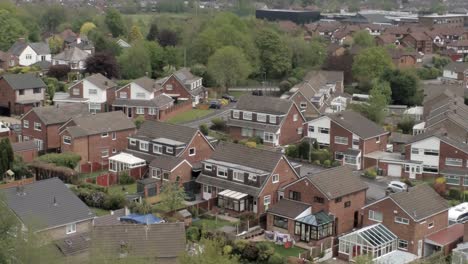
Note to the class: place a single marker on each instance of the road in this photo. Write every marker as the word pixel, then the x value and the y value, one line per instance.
pixel 218 113
pixel 376 189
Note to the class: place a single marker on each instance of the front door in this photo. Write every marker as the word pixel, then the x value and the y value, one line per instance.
pixel 255 205
pixel 356 219
pixel 129 112
pixel 420 245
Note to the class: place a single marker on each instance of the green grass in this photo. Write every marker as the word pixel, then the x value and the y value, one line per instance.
pixel 189 116
pixel 116 189
pixel 99 211
pixel 94 174
pixel 237 94
pixel 212 224
pixel 287 252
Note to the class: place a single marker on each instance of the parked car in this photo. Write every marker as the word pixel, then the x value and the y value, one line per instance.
pixel 397 186
pixel 215 104
pixel 230 98
pixel 458 214
pixel 257 92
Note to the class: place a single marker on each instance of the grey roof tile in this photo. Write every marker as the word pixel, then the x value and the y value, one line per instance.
pixel 166 162
pixel 264 104
pixel 99 123
pixel 101 81
pixel 60 113
pixel 288 208
pixel 23 81
pixel 40 48
pixel 159 101
pixel 358 124
pixel 148 84
pixel 153 129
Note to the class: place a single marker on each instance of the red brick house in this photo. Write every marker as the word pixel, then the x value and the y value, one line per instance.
pixel 277 121
pixel 142 97
pixel 8 60
pixel 41 124
pixel 335 198
pixel 96 90
pixel 173 152
pixel 410 217
pixel 419 41
pixel 350 137
pixel 20 92
pixel 96 137
pixel 242 179
pixel 182 85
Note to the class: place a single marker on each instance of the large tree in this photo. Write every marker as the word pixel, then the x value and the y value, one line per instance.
pixel 228 66
pixel 307 54
pixel 405 87
pixel 380 97
pixel 172 196
pixel 167 37
pixel 275 55
pixel 153 32
pixel 157 57
pixel 53 17
pixel 103 63
pixel 135 34
pixel 371 64
pixel 363 39
pixel 135 61
pixel 86 28
pixel 115 22
pixel 10 30
pixel 55 44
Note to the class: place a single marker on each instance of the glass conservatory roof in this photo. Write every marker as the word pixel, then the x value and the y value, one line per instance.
pixel 317 219
pixel 374 235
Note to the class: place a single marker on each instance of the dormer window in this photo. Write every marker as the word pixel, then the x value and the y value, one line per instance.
pixel 272 119
pixel 222 172
pixel 169 150
pixel 140 95
pixel 247 115
pixel 238 176
pixel 235 114
pixel 208 167
pixel 261 117
pixel 144 145
pixel 157 149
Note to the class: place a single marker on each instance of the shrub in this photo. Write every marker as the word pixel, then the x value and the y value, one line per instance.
pixel 66 159
pixel 439 186
pixel 240 245
pixel 370 173
pixel 125 179
pixel 227 250
pixel 256 139
pixel 114 202
pixel 58 71
pixel 408 182
pixel 336 163
pixel 327 163
pixel 138 121
pixel 251 144
pixel 454 202
pixel 90 186
pixel 193 234
pixel 204 129
pixel 218 124
pixel 276 259
pixel 321 155
pixel 316 162
pixel 454 194
pixel 304 150
pixel 291 151
pixel 265 250
pixel 250 253
pixel 406 124
pixel 285 86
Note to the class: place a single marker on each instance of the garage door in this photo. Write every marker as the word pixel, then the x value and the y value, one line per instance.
pixel 394 170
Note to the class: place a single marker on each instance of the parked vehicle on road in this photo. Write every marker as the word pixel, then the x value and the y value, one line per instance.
pixel 215 104
pixel 458 214
pixel 397 186
pixel 257 92
pixel 230 98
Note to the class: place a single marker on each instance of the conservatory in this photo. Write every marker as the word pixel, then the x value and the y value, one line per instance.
pixel 375 240
pixel 125 162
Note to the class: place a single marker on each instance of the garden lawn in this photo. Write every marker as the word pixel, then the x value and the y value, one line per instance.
pixel 238 94
pixel 287 252
pixel 189 116
pixel 99 211
pixel 115 189
pixel 212 224
pixel 93 174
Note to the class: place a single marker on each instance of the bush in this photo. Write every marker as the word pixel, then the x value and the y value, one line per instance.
pixel 218 124
pixel 125 179
pixel 67 159
pixel 285 86
pixel 454 194
pixel 240 245
pixel 227 250
pixel 251 144
pixel 370 173
pixel 439 186
pixel 138 121
pixel 316 162
pixel 276 259
pixel 406 124
pixel 304 150
pixel 327 163
pixel 336 163
pixel 59 71
pixel 291 151
pixel 321 155
pixel 265 251
pixel 408 182
pixel 250 253
pixel 90 186
pixel 257 139
pixel 114 202
pixel 204 129
pixel 193 234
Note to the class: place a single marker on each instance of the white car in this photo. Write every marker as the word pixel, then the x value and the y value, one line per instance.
pixel 4 127
pixel 397 186
pixel 458 214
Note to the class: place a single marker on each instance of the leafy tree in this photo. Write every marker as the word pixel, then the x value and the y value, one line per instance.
pixel 103 63
pixel 307 54
pixel 53 17
pixel 371 63
pixel 440 62
pixel 405 87
pixel 157 56
pixel 228 66
pixel 172 196
pixel 6 156
pixel 363 39
pixel 167 37
pixel 406 124
pixel 103 43
pixel 59 71
pixel 204 129
pixel 379 99
pixel 209 252
pixel 139 121
pixel 115 22
pixel 135 62
pixel 275 55
pixel 52 87
pixel 55 44
pixel 153 32
pixel 10 30
pixel 87 27
pixel 135 34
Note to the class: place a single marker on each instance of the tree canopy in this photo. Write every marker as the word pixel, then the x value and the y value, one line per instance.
pixel 103 63
pixel 115 22
pixel 363 39
pixel 405 87
pixel 371 63
pixel 275 55
pixel 86 28
pixel 10 30
pixel 135 61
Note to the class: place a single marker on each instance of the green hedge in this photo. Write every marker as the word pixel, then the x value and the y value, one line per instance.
pixel 68 159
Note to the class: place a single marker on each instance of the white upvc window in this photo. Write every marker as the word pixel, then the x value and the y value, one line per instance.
pixel 92 91
pixel 238 176
pixel 247 115
pixel 156 173
pixel 272 119
pixel 454 162
pixel 222 172
pixel 25 123
pixel 132 142
pixel 152 111
pixel 140 110
pixel 266 201
pixel 295 117
pixel 268 137
pixel 158 149
pixel 140 95
pixel 235 114
pixel 192 151
pixel 401 220
pixel 414 151
pixel 299 130
pixel 402 244
pixel 37 126
pixel 169 87
pixel 261 118
pixel 105 134
pixel 246 132
pixel 303 105
pixel 144 145
pixel 431 152
pixel 341 140
pixel 66 140
pixel 105 153
pixel 311 129
pixel 324 130
pixel 275 178
pixel 430 225
pixel 71 228
pixel 123 95
pixel 76 91
pixel 208 167
pixel 169 150
pixel 375 216
pixel 114 136
pixel 377 139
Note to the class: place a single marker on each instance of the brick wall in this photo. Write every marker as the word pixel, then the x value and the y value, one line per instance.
pixel 336 130
pixel 27 155
pixel 177 88
pixel 30 132
pixel 310 111
pixel 7 96
pixel 289 129
pixel 78 86
pixel 175 110
pixel 203 149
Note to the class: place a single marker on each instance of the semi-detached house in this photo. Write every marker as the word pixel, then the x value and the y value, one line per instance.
pixel 20 92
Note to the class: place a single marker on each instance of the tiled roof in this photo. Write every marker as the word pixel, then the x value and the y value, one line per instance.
pixel 74 244
pixel 73 54
pixel 158 102
pixel 22 146
pixel 154 129
pixel 228 185
pixel 101 81
pixel 415 202
pixel 357 123
pixel 337 182
pixel 167 163
pixel 264 104
pixel 23 81
pixel 148 84
pixel 40 48
pixel 35 205
pixel 164 240
pixel 288 208
pixel 110 219
pixel 100 123
pixel 458 67
pixel 60 113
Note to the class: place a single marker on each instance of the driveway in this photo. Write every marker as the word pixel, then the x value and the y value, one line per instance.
pixel 376 189
pixel 217 113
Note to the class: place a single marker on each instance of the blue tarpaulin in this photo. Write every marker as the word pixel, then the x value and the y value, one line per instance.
pixel 147 219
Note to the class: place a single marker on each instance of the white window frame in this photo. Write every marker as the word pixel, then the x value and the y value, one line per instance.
pixel 36 125
pixel 275 178
pixel 246 115
pixel 265 199
pixel 311 129
pixel 105 134
pixel 341 140
pixel 235 114
pixel 377 139
pixel 415 151
pixel 320 129
pixel 152 111
pixel 114 135
pixel 450 178
pixel 69 140
pixel 158 149
pixel 140 95
pixel 238 176
pixel 261 118
pixel 303 105
pixel 194 151
pixel 114 150
pixel 92 91
pixel 104 153
pixel 143 143
pixel 300 130
pixel 132 142
pixel 169 87
pixel 371 216
pixel 123 95
pixel 404 242
pixel 269 137
pixel 222 169
pixel 430 225
pixel 272 119
pixel 401 220
pixel 208 167
pixel 140 110
pixel 70 228
pixel 156 173
pixel 295 117
pixel 169 150
pixel 26 123
pixel 454 162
